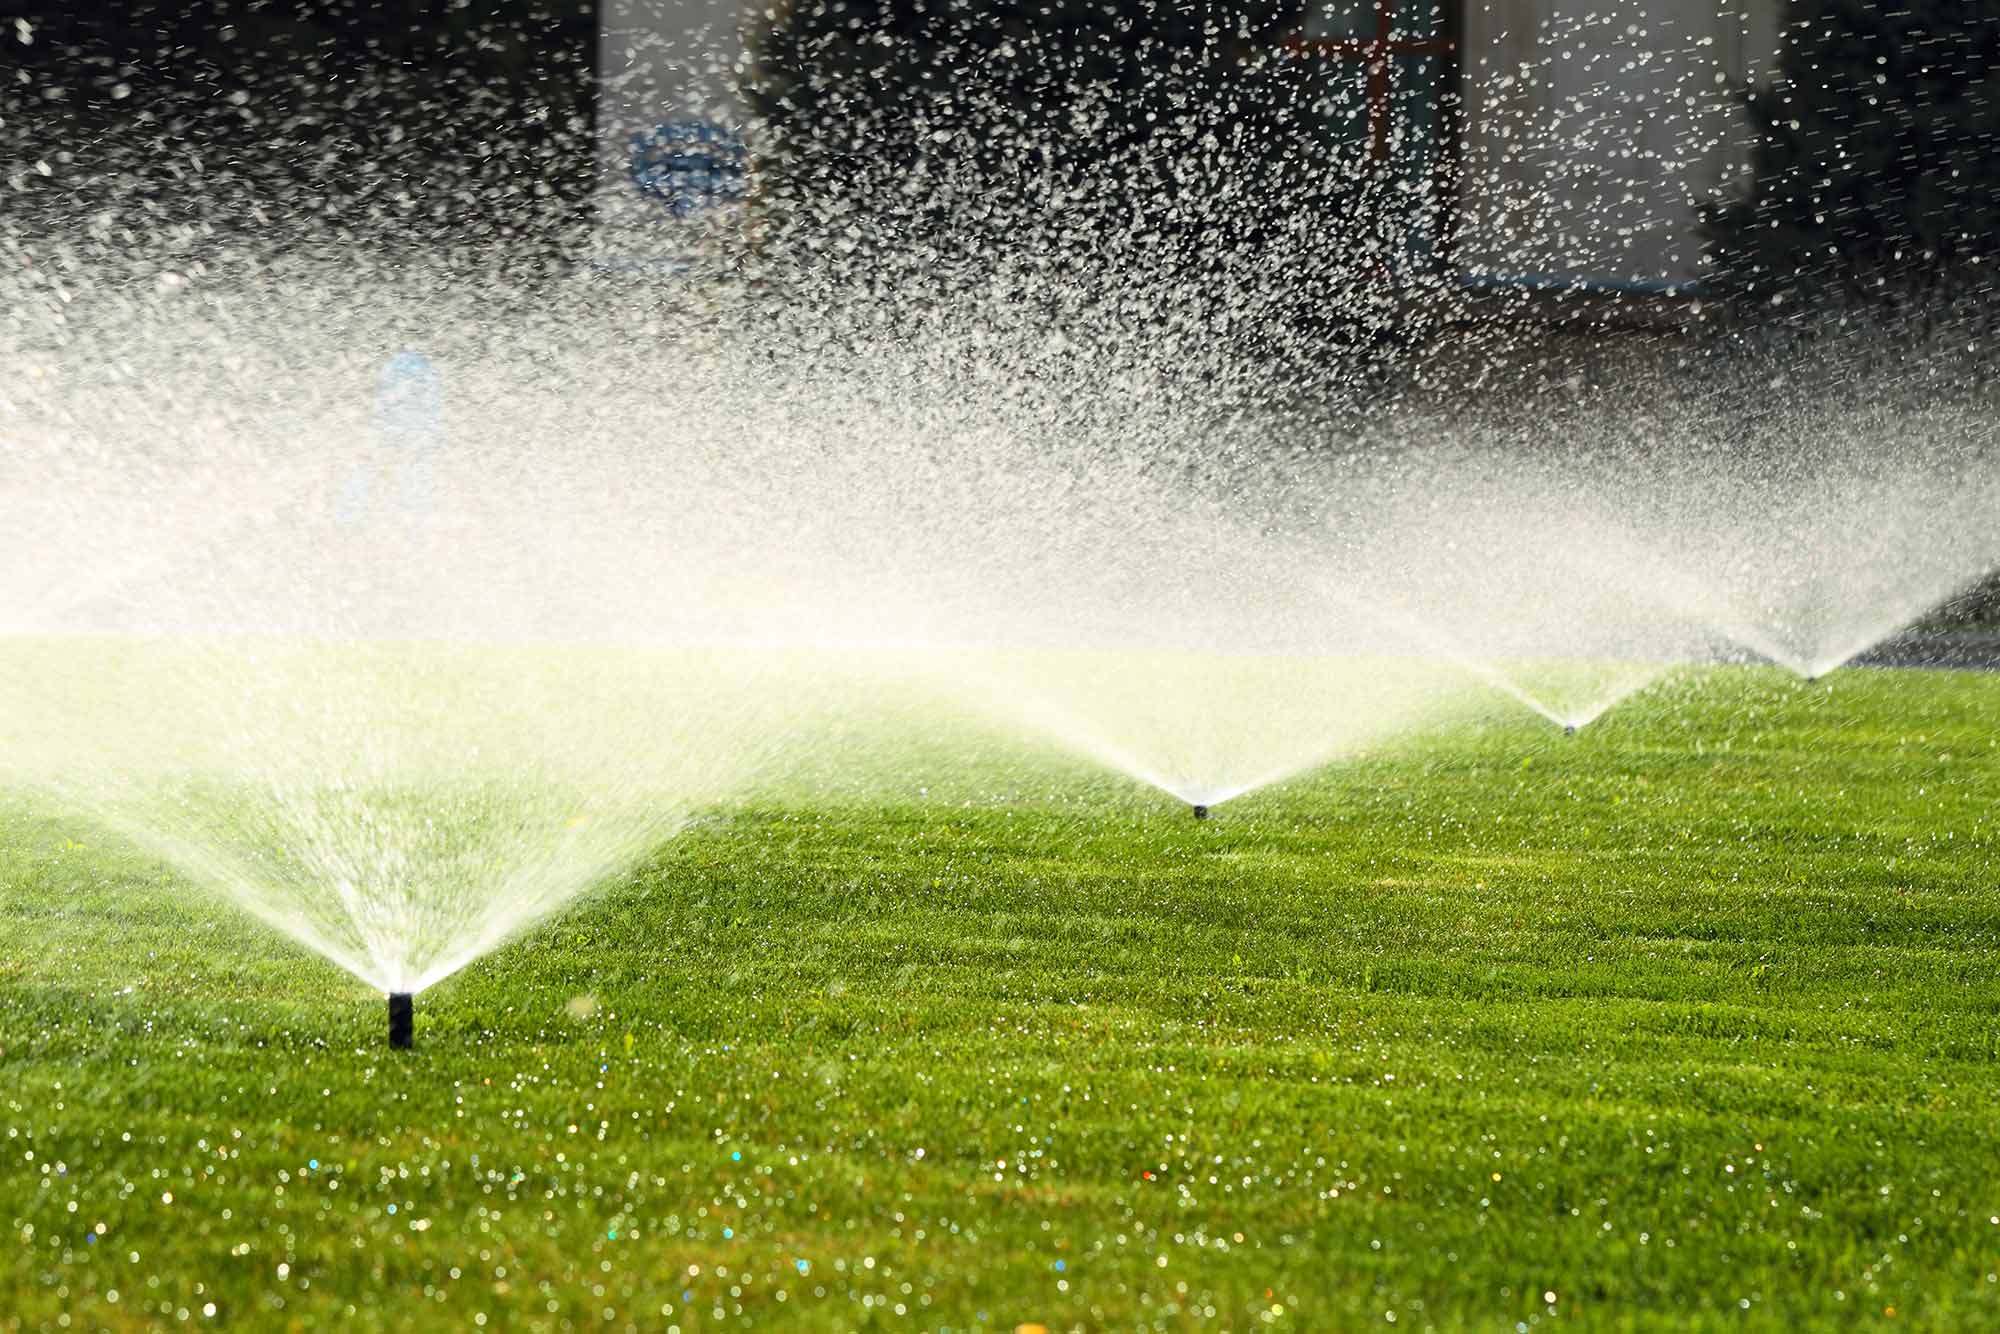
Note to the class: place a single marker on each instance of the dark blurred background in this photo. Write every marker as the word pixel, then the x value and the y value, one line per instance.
pixel 398 118
pixel 1875 173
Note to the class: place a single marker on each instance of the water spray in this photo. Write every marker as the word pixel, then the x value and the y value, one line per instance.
pixel 1200 811
pixel 402 1021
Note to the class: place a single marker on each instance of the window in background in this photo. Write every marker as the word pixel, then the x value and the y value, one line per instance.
pixel 1385 65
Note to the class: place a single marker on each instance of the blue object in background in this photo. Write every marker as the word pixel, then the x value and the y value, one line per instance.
pixel 409 419
pixel 409 430
pixel 689 165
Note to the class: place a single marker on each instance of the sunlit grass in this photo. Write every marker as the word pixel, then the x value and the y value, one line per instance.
pixel 1689 1020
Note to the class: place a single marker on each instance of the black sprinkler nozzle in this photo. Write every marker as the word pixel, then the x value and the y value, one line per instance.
pixel 1569 729
pixel 1200 811
pixel 402 1021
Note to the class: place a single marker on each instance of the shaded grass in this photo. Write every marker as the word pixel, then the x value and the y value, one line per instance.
pixel 1691 1020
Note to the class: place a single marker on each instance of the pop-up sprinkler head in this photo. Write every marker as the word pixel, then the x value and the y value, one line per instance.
pixel 402 1021
pixel 1569 729
pixel 1200 811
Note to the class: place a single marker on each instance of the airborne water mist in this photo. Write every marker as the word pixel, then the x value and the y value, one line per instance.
pixel 398 570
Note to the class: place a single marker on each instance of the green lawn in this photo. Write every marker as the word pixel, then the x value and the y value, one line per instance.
pixel 1689 1021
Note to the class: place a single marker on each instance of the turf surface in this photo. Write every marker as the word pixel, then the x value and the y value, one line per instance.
pixel 1689 1021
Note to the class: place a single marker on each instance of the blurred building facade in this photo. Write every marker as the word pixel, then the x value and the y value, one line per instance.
pixel 1596 129
pixel 1556 144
